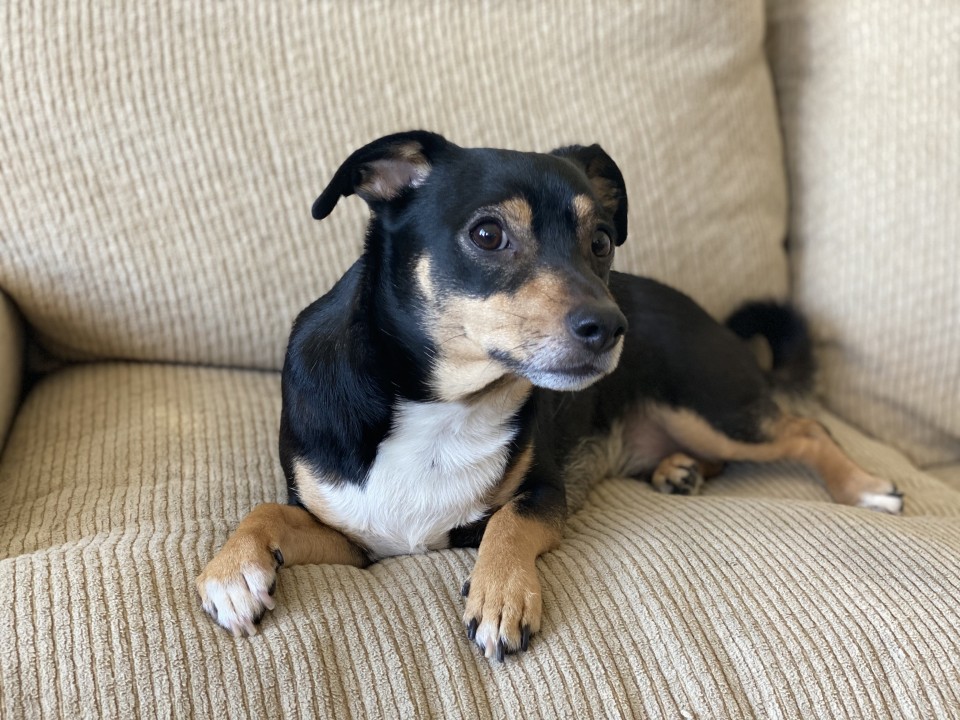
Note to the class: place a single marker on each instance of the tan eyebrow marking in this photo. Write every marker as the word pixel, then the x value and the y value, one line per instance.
pixel 585 210
pixel 517 212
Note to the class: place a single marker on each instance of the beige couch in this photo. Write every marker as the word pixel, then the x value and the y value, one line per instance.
pixel 157 166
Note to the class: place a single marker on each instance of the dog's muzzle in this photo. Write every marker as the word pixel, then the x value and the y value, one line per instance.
pixel 590 350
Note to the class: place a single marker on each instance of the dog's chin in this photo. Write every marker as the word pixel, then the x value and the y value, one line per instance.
pixel 565 381
pixel 573 375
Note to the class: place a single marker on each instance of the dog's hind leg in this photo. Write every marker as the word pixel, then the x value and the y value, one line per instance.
pixel 236 588
pixel 789 437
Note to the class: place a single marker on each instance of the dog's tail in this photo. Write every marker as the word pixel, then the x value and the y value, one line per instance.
pixel 790 363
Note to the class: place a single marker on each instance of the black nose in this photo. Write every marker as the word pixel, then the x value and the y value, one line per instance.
pixel 598 327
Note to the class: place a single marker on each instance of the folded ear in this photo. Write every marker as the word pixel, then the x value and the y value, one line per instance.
pixel 607 181
pixel 382 170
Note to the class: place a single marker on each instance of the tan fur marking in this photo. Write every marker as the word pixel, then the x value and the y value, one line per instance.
pixel 385 178
pixel 301 538
pixel 793 438
pixel 512 478
pixel 761 352
pixel 504 593
pixel 424 281
pixel 467 329
pixel 585 211
pixel 678 473
pixel 236 587
pixel 518 214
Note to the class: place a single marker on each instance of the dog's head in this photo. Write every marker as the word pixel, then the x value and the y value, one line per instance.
pixel 500 257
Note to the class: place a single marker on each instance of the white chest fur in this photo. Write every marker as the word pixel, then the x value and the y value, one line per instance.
pixel 435 471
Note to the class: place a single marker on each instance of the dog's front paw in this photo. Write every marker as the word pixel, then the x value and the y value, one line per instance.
pixel 678 474
pixel 503 607
pixel 236 588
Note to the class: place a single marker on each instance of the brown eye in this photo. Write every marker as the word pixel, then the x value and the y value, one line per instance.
pixel 602 244
pixel 489 235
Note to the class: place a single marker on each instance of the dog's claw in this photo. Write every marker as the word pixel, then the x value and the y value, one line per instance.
pixel 273 588
pixel 465 590
pixel 501 649
pixel 472 629
pixel 278 556
pixel 525 638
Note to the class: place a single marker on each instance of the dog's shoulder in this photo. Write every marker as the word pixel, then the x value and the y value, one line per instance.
pixel 327 320
pixel 336 401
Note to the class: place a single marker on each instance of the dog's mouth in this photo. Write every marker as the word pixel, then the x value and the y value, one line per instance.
pixel 570 371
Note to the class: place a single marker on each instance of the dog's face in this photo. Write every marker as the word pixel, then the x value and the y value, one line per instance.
pixel 501 257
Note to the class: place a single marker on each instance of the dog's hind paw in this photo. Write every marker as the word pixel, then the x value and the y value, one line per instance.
pixel 886 502
pixel 678 474
pixel 236 588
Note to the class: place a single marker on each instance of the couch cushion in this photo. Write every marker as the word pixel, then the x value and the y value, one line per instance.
pixel 869 99
pixel 11 364
pixel 948 474
pixel 758 599
pixel 157 183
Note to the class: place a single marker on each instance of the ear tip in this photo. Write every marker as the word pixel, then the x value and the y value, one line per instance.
pixel 322 207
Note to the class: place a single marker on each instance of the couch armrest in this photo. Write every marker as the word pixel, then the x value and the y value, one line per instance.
pixel 11 364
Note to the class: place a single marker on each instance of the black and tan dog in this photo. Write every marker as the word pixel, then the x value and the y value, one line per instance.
pixel 479 357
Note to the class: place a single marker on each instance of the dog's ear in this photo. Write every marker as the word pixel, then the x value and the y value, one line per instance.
pixel 382 170
pixel 606 178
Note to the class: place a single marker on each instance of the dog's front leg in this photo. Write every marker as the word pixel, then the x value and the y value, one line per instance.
pixel 237 586
pixel 504 604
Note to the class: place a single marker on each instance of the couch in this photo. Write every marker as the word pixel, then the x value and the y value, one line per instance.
pixel 157 166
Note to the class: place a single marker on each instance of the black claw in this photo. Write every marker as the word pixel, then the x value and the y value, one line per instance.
pixel 501 649
pixel 896 492
pixel 273 588
pixel 278 556
pixel 465 590
pixel 258 618
pixel 472 629
pixel 525 638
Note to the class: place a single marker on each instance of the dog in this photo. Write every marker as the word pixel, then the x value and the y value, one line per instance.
pixel 480 359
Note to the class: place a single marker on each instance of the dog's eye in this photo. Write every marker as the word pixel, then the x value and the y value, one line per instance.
pixel 602 244
pixel 489 235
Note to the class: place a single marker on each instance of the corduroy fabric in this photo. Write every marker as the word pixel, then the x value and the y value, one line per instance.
pixel 759 599
pixel 162 158
pixel 948 474
pixel 11 364
pixel 869 95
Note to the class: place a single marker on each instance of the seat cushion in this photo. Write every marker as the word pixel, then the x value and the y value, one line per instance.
pixel 758 599
pixel 11 364
pixel 948 474
pixel 871 122
pixel 157 183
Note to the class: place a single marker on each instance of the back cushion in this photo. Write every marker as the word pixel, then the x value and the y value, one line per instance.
pixel 160 159
pixel 870 98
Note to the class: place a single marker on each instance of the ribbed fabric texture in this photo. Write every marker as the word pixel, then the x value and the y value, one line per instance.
pixel 948 474
pixel 870 104
pixel 760 599
pixel 11 364
pixel 162 158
